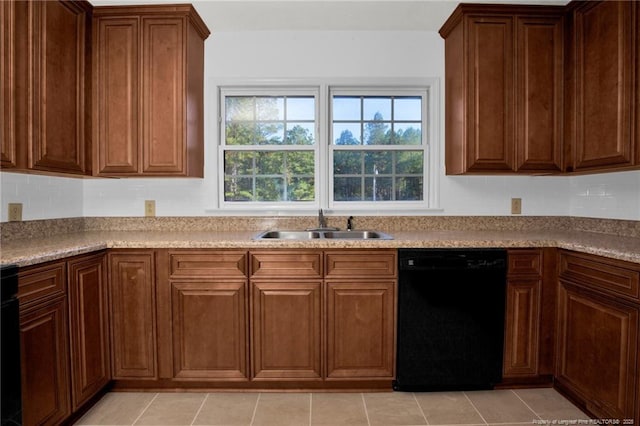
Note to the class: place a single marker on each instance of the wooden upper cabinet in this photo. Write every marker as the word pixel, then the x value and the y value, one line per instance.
pixel 503 89
pixel 45 44
pixel 148 103
pixel 604 35
pixel 7 86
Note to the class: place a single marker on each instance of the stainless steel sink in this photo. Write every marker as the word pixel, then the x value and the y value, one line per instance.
pixel 357 235
pixel 287 235
pixel 310 235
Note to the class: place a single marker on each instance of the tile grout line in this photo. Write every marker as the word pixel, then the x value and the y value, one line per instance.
pixel 200 409
pixel 527 405
pixel 145 409
pixel 420 408
pixel 255 409
pixel 366 411
pixel 310 406
pixel 475 408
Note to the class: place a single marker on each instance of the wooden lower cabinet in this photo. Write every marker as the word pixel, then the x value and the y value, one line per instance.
pixel 286 330
pixel 360 329
pixel 209 330
pixel 133 314
pixel 45 360
pixel 88 328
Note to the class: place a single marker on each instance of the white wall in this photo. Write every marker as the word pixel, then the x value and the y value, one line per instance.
pixel 309 56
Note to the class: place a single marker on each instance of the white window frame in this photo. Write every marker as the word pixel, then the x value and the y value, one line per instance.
pixel 324 148
pixel 223 147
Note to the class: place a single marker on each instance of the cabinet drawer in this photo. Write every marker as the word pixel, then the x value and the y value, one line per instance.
pixel 525 262
pixel 208 264
pixel 286 264
pixel 361 264
pixel 42 282
pixel 604 274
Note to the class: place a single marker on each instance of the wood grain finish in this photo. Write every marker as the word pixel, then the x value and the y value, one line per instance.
pixel 539 93
pixel 8 157
pixel 227 263
pixel 286 264
pixel 41 282
pixel 603 59
pixel 88 328
pixel 363 263
pixel 133 314
pixel 117 82
pixel 44 357
pixel 210 323
pixel 149 63
pixel 597 352
pixel 286 330
pixel 360 329
pixel 522 327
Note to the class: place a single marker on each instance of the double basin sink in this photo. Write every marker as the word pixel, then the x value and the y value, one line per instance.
pixel 322 234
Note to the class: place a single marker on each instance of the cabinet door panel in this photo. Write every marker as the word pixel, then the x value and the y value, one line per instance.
pixel 133 318
pixel 117 84
pixel 209 330
pixel 491 120
pixel 89 331
pixel 286 332
pixel 58 86
pixel 44 359
pixel 162 96
pixel 597 350
pixel 522 325
pixel 8 156
pixel 604 40
pixel 360 329
pixel 539 94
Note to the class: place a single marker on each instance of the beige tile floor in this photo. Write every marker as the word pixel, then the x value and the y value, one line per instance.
pixel 498 407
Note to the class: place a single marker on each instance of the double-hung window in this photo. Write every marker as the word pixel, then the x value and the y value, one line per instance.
pixel 325 146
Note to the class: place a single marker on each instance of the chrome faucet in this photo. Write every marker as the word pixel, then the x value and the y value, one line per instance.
pixel 322 222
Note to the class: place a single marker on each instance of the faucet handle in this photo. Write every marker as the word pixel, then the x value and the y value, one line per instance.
pixel 350 223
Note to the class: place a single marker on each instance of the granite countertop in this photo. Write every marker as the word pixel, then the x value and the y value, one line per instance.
pixel 24 252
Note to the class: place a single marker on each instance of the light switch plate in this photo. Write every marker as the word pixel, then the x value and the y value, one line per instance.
pixel 15 212
pixel 516 206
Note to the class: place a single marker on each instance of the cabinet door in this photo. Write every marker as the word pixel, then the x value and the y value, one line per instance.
pixel 522 323
pixel 7 86
pixel 539 92
pixel 209 321
pixel 286 330
pixel 116 67
pixel 57 85
pixel 360 329
pixel 604 95
pixel 490 91
pixel 44 359
pixel 89 328
pixel 163 74
pixel 597 351
pixel 133 315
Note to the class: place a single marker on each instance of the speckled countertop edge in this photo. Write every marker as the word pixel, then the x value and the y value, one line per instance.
pixel 39 250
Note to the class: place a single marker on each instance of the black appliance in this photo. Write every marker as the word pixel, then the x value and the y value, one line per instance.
pixel 10 388
pixel 451 307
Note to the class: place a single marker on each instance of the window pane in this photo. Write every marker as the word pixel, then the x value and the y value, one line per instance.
pixel 346 108
pixel 378 162
pixel 269 176
pixel 241 133
pixel 301 108
pixel 408 134
pixel 407 109
pixel 409 162
pixel 377 108
pixel 409 188
pixel 377 133
pixel 300 134
pixel 270 133
pixel 239 108
pixel 347 189
pixel 270 108
pixel 347 162
pixel 346 133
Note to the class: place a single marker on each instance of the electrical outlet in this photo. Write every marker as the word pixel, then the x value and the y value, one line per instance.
pixel 15 212
pixel 150 208
pixel 516 206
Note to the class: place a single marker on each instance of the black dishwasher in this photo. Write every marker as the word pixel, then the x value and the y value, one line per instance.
pixel 451 307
